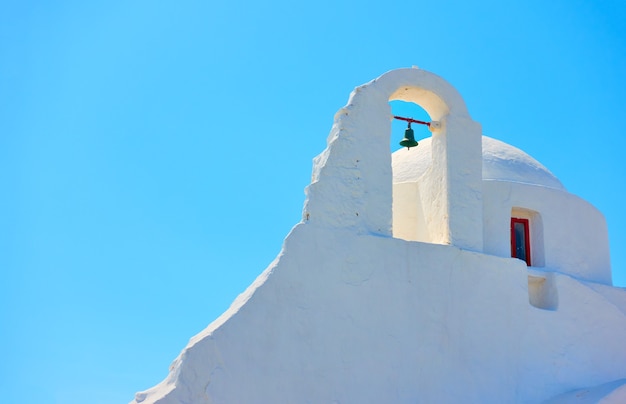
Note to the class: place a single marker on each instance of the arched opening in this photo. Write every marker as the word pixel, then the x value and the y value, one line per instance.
pixel 409 110
pixel 408 213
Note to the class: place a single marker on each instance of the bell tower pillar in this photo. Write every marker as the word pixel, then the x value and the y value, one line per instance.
pixel 454 186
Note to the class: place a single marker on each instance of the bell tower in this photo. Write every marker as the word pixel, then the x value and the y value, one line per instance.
pixel 352 178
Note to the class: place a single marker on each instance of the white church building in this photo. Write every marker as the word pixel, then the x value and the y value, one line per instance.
pixel 458 271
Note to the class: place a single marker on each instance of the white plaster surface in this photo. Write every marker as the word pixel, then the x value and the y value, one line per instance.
pixel 575 236
pixel 347 318
pixel 501 162
pixel 348 314
pixel 607 393
pixel 569 235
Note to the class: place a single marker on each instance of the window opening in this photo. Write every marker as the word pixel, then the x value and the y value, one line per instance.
pixel 520 239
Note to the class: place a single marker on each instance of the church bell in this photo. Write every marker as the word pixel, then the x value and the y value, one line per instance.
pixel 409 138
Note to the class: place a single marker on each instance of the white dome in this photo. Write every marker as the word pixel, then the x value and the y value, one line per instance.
pixel 501 162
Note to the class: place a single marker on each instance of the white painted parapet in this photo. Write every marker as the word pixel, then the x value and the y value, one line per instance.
pixel 352 178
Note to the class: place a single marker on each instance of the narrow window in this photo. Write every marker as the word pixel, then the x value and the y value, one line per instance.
pixel 520 240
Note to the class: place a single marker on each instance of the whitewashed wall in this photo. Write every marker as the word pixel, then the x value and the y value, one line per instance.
pixel 575 235
pixel 568 234
pixel 349 318
pixel 347 313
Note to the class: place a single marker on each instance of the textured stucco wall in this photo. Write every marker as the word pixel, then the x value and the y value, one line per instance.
pixel 341 317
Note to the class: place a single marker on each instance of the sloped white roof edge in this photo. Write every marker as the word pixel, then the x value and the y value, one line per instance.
pixel 608 393
pixel 329 279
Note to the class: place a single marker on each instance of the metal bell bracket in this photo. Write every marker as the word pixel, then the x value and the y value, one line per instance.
pixel 431 125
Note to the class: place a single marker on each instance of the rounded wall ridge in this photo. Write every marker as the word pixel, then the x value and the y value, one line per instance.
pixel 532 184
pixel 402 80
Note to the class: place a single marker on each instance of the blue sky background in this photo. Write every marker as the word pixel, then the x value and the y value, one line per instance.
pixel 153 155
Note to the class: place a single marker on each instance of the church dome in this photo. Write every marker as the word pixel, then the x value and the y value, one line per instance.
pixel 501 162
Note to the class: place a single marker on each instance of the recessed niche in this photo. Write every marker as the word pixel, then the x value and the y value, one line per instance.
pixel 542 292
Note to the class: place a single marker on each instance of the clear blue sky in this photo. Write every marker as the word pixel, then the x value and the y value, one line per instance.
pixel 153 155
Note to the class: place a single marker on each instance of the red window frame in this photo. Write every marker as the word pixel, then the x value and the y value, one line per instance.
pixel 526 225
